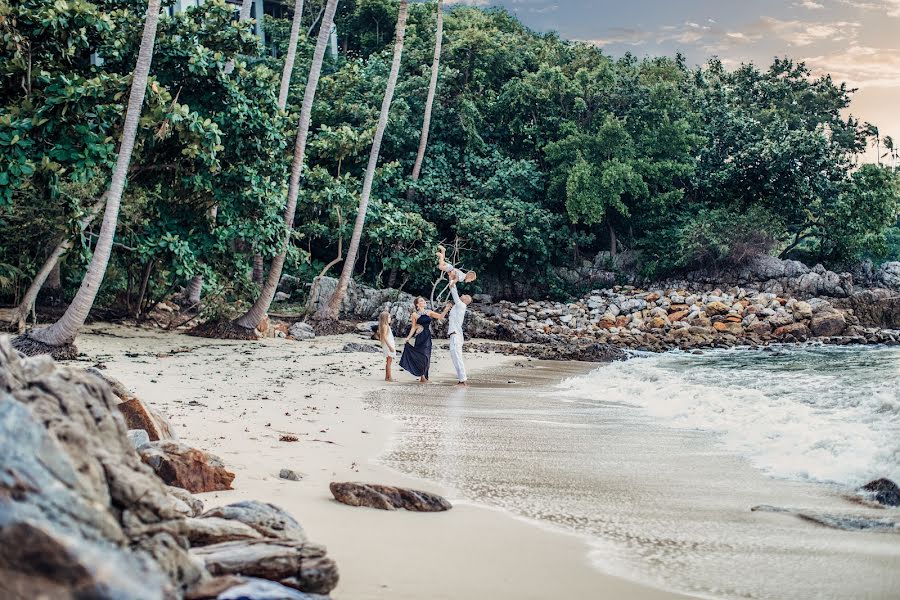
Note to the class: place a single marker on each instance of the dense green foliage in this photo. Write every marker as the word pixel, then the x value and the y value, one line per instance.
pixel 542 152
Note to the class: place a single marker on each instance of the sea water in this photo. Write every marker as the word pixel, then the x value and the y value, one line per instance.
pixel 659 460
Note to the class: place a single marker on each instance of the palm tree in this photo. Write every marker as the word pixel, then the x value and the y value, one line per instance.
pixel 58 339
pixel 432 88
pixel 20 314
pixel 330 310
pixel 291 55
pixel 872 130
pixel 891 150
pixel 253 317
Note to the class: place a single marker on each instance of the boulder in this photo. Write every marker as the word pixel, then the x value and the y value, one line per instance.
pixel 888 275
pixel 387 497
pixel 301 331
pixel 728 327
pixel 138 415
pixel 299 565
pixel 215 530
pixel 798 331
pixel 290 475
pixel 182 466
pixel 138 437
pixel 883 491
pixel 267 519
pixel 717 308
pixel 828 324
pixel 356 347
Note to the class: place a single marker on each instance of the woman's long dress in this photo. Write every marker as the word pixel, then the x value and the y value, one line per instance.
pixel 416 359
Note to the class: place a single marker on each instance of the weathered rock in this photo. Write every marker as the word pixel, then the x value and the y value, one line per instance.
pixel 716 308
pixel 387 497
pixel 728 327
pixel 883 491
pixel 267 519
pixel 261 589
pixel 300 565
pixel 302 331
pixel 357 347
pixel 290 475
pixel 215 530
pixel 181 466
pixel 828 324
pixel 798 331
pixel 212 587
pixel 193 503
pixel 136 413
pixel 138 437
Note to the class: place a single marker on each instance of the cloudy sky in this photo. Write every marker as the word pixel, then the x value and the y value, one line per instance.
pixel 857 41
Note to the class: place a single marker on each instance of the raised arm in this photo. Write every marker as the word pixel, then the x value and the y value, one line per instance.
pixel 437 315
pixel 454 293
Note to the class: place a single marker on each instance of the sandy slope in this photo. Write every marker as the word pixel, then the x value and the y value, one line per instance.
pixel 236 399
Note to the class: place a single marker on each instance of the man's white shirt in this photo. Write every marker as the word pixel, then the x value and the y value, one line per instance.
pixel 457 313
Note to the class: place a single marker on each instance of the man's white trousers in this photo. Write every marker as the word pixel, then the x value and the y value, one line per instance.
pixel 456 355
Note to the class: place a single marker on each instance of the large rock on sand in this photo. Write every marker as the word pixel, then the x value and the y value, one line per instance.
pixel 386 497
pixel 138 415
pixel 181 466
pixel 267 519
pixel 883 491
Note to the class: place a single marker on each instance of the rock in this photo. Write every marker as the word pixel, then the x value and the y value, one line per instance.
pixel 780 318
pixel 716 308
pixel 289 475
pixel 267 519
pixel 387 497
pixel 728 327
pixel 138 437
pixel 215 530
pixel 193 503
pixel 356 347
pixel 678 315
pixel 483 298
pixel 367 327
pixel 262 589
pixel 828 324
pixel 798 331
pixel 211 588
pixel 299 565
pixel 883 491
pixel 759 328
pixel 139 416
pixel 888 275
pixel 282 297
pixel 802 310
pixel 301 331
pixel 181 466
pixel 632 305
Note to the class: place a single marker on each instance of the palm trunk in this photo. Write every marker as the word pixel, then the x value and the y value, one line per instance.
pixel 20 315
pixel 330 310
pixel 291 55
pixel 63 332
pixel 432 88
pixel 253 317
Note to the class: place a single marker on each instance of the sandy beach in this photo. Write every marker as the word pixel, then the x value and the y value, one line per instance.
pixel 235 399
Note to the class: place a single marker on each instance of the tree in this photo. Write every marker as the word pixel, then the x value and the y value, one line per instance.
pixel 58 339
pixel 432 88
pixel 254 316
pixel 330 310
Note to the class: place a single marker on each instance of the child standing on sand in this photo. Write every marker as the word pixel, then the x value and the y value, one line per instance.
pixel 388 346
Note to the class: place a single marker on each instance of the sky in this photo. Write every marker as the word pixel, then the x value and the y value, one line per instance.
pixel 857 41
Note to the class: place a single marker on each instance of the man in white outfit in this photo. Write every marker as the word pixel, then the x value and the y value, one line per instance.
pixel 457 316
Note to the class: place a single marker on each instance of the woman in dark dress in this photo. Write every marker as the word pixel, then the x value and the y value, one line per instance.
pixel 416 357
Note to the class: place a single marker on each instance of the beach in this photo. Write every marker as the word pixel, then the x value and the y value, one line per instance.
pixel 236 399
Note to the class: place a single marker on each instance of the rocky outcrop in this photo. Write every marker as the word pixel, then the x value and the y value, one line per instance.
pixel 882 491
pixel 874 308
pixel 81 516
pixel 180 465
pixel 138 415
pixel 302 331
pixel 386 497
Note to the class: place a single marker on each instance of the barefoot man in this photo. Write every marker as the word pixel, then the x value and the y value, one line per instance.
pixel 457 316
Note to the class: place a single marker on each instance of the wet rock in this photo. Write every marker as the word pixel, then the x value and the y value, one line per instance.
pixel 883 491
pixel 290 475
pixel 302 331
pixel 299 565
pixel 797 331
pixel 843 522
pixel 182 466
pixel 387 497
pixel 267 519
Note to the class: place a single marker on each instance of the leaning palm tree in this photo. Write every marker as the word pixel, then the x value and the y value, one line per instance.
pixel 432 88
pixel 330 310
pixel 253 317
pixel 58 339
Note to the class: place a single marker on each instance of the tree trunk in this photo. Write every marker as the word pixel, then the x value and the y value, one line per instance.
pixel 291 55
pixel 27 303
pixel 612 240
pixel 255 315
pixel 432 88
pixel 258 268
pixel 63 332
pixel 330 310
pixel 192 292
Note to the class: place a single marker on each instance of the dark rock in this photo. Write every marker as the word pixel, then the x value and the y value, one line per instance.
pixel 267 519
pixel 181 466
pixel 387 497
pixel 290 475
pixel 883 491
pixel 357 347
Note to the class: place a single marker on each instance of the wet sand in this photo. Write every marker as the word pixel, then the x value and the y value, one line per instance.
pixel 236 399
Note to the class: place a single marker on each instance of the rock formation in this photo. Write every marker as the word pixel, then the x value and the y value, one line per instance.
pixel 81 515
pixel 387 497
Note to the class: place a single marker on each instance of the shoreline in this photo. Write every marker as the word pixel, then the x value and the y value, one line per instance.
pixel 230 399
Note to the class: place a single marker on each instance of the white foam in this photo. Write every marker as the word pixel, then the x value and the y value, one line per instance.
pixel 824 414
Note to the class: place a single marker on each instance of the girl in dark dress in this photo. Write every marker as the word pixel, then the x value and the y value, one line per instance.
pixel 416 357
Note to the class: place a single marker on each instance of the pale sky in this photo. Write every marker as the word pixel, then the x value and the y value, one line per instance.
pixel 857 41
